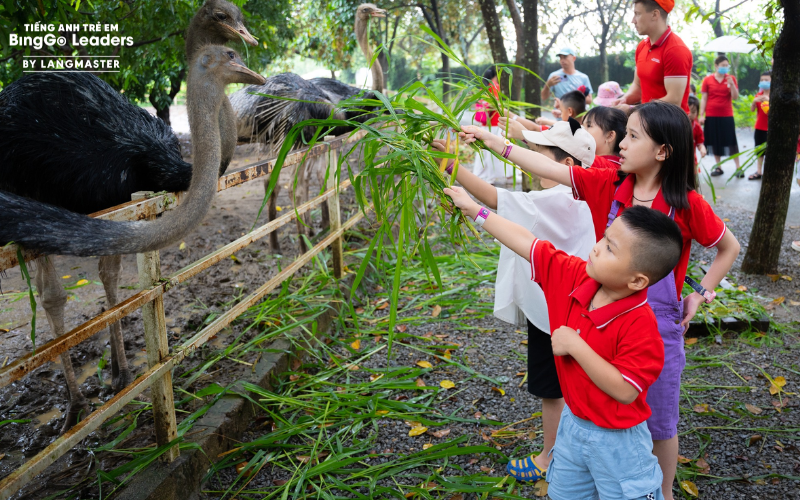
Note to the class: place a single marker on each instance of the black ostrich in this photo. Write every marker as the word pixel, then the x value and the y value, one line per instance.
pixel 267 120
pixel 71 141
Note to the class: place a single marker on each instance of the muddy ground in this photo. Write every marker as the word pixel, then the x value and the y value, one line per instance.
pixel 41 397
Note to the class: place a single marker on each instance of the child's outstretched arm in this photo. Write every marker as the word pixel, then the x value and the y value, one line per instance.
pixel 477 187
pixel 529 161
pixel 512 235
pixel 727 251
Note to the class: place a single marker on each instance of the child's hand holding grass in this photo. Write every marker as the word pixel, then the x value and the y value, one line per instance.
pixel 513 127
pixel 471 133
pixel 463 201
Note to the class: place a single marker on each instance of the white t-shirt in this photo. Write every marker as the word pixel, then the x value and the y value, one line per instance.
pixel 552 215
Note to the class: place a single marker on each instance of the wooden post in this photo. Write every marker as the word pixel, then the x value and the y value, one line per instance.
pixel 335 215
pixel 155 338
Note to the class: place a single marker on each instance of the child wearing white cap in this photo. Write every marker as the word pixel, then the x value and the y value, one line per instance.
pixel 554 215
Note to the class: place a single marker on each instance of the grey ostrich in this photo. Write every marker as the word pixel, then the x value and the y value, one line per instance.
pixel 92 150
pixel 53 230
pixel 267 120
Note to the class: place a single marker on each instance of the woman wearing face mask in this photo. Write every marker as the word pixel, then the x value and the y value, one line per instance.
pixel 761 107
pixel 716 113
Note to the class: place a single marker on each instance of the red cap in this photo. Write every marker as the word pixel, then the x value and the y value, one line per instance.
pixel 667 5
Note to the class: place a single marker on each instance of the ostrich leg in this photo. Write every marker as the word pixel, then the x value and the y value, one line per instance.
pixel 110 267
pixel 53 299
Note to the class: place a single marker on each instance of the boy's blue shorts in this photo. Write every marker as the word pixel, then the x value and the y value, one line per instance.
pixel 590 462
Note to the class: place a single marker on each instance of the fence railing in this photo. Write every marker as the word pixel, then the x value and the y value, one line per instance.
pixel 150 298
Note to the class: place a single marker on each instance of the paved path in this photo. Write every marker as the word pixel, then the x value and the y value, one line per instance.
pixel 744 193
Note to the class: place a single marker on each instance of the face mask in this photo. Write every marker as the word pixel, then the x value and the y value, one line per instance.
pixel 763 85
pixel 723 70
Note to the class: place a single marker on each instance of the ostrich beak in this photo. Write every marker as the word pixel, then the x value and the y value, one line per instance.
pixel 245 74
pixel 378 13
pixel 241 32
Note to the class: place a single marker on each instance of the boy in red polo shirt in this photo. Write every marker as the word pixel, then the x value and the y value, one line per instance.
pixel 608 349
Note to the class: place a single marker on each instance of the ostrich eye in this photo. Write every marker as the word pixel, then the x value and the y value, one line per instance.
pixel 221 16
pixel 232 55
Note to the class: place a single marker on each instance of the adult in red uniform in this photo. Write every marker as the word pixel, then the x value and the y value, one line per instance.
pixel 716 114
pixel 663 61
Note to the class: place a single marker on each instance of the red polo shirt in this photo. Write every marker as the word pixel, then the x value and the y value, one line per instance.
pixel 698 137
pixel 606 161
pixel 762 119
pixel 668 57
pixel 699 222
pixel 624 333
pixel 719 100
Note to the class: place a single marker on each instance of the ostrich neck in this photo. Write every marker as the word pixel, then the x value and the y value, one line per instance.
pixel 204 100
pixel 362 35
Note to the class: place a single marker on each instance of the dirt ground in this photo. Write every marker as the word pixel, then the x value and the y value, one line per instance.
pixel 41 397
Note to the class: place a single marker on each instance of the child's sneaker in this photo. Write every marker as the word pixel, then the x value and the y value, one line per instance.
pixel 525 469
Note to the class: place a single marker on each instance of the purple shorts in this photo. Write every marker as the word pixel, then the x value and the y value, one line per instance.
pixel 664 395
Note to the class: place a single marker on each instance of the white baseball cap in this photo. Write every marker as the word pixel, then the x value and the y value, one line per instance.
pixel 569 136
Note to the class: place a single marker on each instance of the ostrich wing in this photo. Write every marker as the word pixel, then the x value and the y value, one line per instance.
pixel 71 140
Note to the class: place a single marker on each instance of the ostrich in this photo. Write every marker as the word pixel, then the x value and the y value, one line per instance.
pixel 92 150
pixel 267 120
pixel 50 229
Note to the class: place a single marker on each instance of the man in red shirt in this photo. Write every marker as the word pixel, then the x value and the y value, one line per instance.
pixel 663 61
pixel 608 349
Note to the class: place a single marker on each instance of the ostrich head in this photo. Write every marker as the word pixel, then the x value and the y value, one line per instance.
pixel 215 23
pixel 364 13
pixel 224 66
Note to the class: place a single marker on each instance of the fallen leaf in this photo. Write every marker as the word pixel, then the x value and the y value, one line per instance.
pixel 701 408
pixel 402 328
pixel 439 434
pixel 240 467
pixel 469 311
pixel 359 310
pixel 426 446
pixel 81 282
pixel 424 364
pixel 703 466
pixel 690 488
pixel 755 410
pixel 279 482
pixel 356 344
pixel 523 342
pixel 182 246
pixel 441 336
pixel 487 470
pixel 294 378
pixel 473 461
pixel 794 303
pixel 520 374
pixel 383 306
pixel 774 277
pixel 410 494
pixel 690 340
pixel 416 431
pixel 499 390
pixel 741 288
pixel 540 488
pixel 683 460
pixel 447 384
pixel 437 310
pixel 774 389
pixel 381 412
pixel 278 208
pixel 754 439
pixel 353 368
pixel 785 277
pixel 779 300
pixel 412 423
pixel 376 376
pixel 419 382
pixel 726 220
pixel 66 277
pixel 779 381
pixel 377 338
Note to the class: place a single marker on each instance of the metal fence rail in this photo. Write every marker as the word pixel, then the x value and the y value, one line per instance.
pixel 150 299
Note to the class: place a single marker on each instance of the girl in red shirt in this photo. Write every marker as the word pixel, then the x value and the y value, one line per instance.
pixel 761 107
pixel 656 171
pixel 607 126
pixel 716 114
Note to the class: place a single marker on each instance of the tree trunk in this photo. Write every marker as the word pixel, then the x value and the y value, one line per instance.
pixel 530 52
pixel 766 237
pixel 519 75
pixel 495 36
pixel 174 87
pixel 603 61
